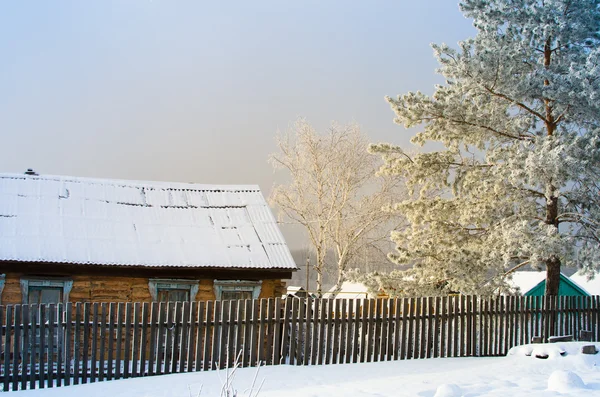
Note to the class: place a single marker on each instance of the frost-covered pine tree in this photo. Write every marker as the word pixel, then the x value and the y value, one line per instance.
pixel 518 180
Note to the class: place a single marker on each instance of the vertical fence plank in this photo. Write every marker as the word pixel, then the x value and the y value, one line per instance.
pixel 375 337
pixel 186 342
pixel 293 336
pixel 216 325
pixel 10 328
pixel 468 308
pixel 271 329
pixel 94 336
pixel 119 342
pixel 307 331
pixel 175 327
pixel 371 329
pixel 261 330
pixel 430 320
pixel 102 353
pixel 409 324
pixel 382 336
pixel 60 335
pixel 86 341
pixel 336 331
pixel 144 339
pixel 276 359
pixel 127 347
pixel 398 308
pixel 423 339
pixel 112 308
pixel 436 327
pixel 169 329
pixel 254 333
pixel 199 335
pixel 52 343
pixel 316 316
pixel 208 326
pixel 67 343
pixel 322 336
pixel 17 348
pixel 42 347
pixel 444 346
pixel 77 345
pixel 160 338
pixel 342 330
pixel 30 314
pixel 223 333
pixel 363 329
pixel 416 349
pixel 231 347
pixel 154 319
pixel 135 350
pixel 247 333
pixel 349 331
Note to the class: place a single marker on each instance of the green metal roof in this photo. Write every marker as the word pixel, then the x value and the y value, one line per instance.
pixel 566 287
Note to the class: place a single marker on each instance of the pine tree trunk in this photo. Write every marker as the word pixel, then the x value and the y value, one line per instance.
pixel 552 276
pixel 552 263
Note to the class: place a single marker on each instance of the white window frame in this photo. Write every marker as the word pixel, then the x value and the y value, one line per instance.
pixel 155 284
pixel 237 285
pixel 64 283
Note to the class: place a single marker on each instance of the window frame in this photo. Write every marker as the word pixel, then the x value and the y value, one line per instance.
pixel 237 285
pixel 154 284
pixel 53 282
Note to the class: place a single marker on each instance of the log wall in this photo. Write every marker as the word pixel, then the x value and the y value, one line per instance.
pixel 96 288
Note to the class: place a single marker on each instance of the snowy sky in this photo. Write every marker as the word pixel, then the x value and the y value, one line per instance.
pixel 195 91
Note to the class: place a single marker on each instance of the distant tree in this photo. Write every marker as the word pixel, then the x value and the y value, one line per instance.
pixel 519 119
pixel 334 194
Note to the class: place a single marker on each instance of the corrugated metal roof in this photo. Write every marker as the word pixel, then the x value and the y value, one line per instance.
pixel 135 223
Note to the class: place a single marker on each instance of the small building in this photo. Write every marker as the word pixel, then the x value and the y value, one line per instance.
pixel 295 292
pixel 71 239
pixel 532 283
pixel 350 290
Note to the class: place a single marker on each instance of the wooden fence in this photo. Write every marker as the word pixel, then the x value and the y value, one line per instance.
pixel 58 345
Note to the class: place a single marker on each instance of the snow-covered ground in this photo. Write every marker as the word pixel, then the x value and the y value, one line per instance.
pixel 565 372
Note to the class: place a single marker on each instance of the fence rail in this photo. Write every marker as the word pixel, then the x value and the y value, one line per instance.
pixel 58 345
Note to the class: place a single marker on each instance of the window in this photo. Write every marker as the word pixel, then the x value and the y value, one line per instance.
pixel 172 290
pixel 45 290
pixel 237 289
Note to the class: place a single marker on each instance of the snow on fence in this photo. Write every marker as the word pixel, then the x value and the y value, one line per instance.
pixel 58 345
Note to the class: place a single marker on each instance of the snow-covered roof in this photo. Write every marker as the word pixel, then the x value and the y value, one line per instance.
pixel 526 280
pixel 591 286
pixel 117 222
pixel 350 290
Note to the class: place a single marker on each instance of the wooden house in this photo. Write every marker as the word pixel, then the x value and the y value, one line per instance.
pixel 70 239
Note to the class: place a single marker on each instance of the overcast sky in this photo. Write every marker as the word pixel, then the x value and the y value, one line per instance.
pixel 195 91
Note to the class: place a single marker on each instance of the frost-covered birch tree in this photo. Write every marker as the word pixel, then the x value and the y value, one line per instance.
pixel 334 194
pixel 519 121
